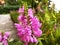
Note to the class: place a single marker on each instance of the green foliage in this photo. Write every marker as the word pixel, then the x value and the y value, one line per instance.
pixel 8 8
pixel 16 42
pixel 48 18
pixel 14 15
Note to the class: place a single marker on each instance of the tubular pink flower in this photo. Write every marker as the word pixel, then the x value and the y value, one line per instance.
pixel 34 39
pixel 5 42
pixel 21 10
pixel 37 33
pixel 30 13
pixel 3 38
pixel 25 34
pixel 35 22
pixel 31 39
pixel 6 35
pixel 19 27
pixel 22 19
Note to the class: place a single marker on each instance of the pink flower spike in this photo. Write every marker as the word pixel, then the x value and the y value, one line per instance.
pixel 28 27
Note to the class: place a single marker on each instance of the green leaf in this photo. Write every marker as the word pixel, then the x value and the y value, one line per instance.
pixel 40 42
pixel 47 17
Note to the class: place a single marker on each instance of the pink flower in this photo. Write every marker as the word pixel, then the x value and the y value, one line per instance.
pixel 5 42
pixel 22 19
pixel 6 35
pixel 37 32
pixel 19 26
pixel 35 22
pixel 28 28
pixel 31 39
pixel 30 13
pixel 34 39
pixel 21 10
pixel 25 34
pixel 0 36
